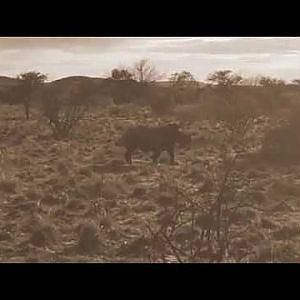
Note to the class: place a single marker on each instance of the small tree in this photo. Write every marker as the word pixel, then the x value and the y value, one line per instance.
pixel 224 78
pixel 182 78
pixel 251 81
pixel 30 81
pixel 266 81
pixel 124 84
pixel 224 82
pixel 272 93
pixel 184 82
pixel 121 74
pixel 145 72
pixel 121 85
pixel 62 117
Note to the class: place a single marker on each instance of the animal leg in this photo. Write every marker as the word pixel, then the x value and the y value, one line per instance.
pixel 155 156
pixel 128 156
pixel 172 155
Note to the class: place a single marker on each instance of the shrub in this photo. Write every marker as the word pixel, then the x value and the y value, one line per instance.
pixel 62 118
pixel 282 143
pixel 161 106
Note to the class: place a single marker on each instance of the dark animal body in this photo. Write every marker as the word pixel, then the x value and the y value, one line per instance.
pixel 153 139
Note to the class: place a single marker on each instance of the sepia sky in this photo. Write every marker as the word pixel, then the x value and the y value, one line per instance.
pixel 60 57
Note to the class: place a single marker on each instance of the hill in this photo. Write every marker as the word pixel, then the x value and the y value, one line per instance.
pixel 7 82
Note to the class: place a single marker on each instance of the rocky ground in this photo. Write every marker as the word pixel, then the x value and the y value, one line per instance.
pixel 76 200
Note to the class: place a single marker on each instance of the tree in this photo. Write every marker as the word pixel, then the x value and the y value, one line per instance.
pixel 121 85
pixel 251 81
pixel 185 87
pixel 121 74
pixel 267 81
pixel 224 78
pixel 144 72
pixel 30 81
pixel 181 78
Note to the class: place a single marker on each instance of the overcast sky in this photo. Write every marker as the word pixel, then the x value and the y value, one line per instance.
pixel 60 57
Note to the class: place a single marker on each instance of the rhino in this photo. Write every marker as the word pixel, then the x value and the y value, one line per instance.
pixel 153 139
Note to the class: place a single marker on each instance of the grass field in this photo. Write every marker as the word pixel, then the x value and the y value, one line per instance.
pixel 77 200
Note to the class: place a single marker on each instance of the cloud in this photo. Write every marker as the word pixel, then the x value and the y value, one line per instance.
pixel 162 45
pixel 97 56
pixel 230 46
pixel 65 44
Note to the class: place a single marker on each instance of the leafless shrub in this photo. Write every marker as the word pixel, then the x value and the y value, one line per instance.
pixel 3 154
pixel 198 225
pixel 62 118
pixel 143 71
pixel 62 124
pixel 100 208
pixel 230 108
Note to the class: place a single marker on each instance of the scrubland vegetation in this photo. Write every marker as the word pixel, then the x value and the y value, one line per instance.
pixel 67 193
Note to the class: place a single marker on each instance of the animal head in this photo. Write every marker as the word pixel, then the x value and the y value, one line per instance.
pixel 119 142
pixel 182 138
pixel 174 126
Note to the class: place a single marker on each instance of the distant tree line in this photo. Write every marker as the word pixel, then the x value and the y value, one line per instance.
pixel 138 81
